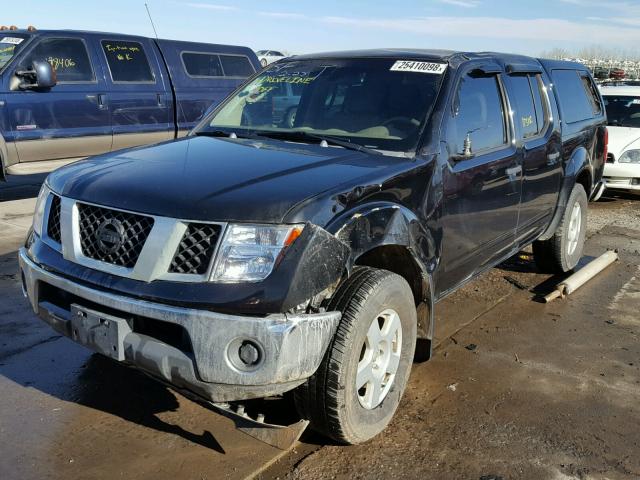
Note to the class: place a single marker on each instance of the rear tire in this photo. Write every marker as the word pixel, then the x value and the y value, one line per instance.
pixel 563 250
pixel 374 345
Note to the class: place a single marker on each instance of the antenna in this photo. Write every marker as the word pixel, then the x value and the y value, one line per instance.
pixel 151 20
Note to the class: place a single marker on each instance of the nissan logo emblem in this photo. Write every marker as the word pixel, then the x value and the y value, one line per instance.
pixel 110 235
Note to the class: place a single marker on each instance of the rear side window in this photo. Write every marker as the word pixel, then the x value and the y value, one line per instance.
pixel 592 93
pixel 530 108
pixel 540 100
pixel 202 64
pixel 573 96
pixel 479 114
pixel 525 109
pixel 68 57
pixel 236 66
pixel 127 61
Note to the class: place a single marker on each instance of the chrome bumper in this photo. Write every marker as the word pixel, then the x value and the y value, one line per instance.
pixel 290 346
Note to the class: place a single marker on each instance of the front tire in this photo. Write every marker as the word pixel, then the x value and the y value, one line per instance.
pixel 563 250
pixel 358 386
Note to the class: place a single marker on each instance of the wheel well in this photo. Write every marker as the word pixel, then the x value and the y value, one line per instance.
pixel 584 179
pixel 396 259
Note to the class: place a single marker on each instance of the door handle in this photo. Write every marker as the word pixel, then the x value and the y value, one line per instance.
pixel 160 100
pixel 100 99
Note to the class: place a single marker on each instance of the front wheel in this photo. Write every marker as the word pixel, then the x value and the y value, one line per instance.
pixel 358 386
pixel 563 250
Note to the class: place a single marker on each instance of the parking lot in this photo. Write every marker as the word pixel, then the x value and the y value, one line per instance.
pixel 516 389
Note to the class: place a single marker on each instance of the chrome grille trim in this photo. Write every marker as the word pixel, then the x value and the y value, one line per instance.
pixel 155 257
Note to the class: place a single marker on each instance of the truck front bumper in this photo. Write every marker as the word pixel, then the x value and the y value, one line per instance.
pixel 284 349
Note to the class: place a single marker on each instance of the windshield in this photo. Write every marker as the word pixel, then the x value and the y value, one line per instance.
pixel 623 110
pixel 373 103
pixel 10 44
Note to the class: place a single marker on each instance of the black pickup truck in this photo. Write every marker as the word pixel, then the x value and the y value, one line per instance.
pixel 300 237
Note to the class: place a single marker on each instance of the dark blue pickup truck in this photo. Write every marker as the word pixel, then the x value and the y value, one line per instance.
pixel 67 94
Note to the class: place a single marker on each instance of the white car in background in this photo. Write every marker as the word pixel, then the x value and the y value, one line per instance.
pixel 269 56
pixel 622 167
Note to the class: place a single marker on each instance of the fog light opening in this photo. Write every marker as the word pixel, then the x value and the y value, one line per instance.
pixel 249 353
pixel 245 355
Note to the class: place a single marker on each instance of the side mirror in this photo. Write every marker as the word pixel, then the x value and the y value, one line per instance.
pixel 41 75
pixel 466 153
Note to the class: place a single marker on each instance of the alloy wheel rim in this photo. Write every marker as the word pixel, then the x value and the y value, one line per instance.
pixel 575 224
pixel 379 359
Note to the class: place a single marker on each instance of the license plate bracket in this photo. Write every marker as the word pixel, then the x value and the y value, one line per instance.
pixel 101 332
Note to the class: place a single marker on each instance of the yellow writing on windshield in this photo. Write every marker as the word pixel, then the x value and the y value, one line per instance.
pixel 8 49
pixel 289 79
pixel 61 63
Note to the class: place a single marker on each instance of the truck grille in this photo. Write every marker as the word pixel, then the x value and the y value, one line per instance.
pixel 195 250
pixel 112 236
pixel 53 224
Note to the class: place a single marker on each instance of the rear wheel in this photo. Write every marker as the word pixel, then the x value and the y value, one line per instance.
pixel 358 386
pixel 563 250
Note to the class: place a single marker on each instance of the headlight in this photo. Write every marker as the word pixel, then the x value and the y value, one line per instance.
pixel 38 215
pixel 248 253
pixel 630 156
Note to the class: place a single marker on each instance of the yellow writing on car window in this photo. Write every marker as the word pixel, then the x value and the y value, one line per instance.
pixel 289 79
pixel 527 121
pixel 123 53
pixel 61 63
pixel 9 49
pixel 124 57
pixel 121 48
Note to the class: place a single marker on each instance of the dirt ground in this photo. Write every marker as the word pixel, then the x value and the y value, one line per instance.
pixel 516 389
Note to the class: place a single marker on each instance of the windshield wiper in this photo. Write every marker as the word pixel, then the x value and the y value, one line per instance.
pixel 300 135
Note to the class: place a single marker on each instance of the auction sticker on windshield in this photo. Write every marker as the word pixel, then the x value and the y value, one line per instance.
pixel 12 40
pixel 421 67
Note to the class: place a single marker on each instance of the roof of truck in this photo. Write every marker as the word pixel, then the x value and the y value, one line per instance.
pixel 443 55
pixel 100 33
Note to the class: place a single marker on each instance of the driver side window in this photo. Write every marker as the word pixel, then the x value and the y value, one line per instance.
pixel 477 114
pixel 67 56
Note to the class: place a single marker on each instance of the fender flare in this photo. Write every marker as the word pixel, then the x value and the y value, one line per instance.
pixel 385 224
pixel 578 163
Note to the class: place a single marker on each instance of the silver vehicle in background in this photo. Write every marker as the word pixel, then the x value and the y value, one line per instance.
pixel 269 56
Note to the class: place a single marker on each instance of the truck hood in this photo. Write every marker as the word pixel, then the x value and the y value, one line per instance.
pixel 204 178
pixel 622 139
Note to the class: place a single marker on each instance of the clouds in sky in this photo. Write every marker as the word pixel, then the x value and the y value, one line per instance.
pixel 594 29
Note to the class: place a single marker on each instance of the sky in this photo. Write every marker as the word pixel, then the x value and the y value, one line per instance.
pixel 303 26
